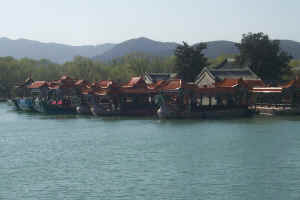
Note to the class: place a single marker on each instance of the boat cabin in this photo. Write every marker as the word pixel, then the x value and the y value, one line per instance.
pixel 135 97
pixel 39 89
pixel 229 69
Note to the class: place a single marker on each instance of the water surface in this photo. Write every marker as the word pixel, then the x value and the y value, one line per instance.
pixel 75 157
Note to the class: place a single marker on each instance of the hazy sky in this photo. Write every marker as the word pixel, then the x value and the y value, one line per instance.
pixel 80 22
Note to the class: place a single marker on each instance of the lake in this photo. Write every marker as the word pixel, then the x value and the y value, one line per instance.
pixel 77 157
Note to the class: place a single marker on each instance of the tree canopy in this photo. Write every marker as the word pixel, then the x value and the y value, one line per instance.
pixel 190 60
pixel 264 56
pixel 14 71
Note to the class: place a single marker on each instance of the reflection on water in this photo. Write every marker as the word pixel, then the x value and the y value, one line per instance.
pixel 85 157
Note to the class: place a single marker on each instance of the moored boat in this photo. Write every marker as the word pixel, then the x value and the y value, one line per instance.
pixel 104 110
pixel 53 107
pixel 135 98
pixel 83 109
pixel 279 100
pixel 186 100
pixel 25 104
pixel 13 103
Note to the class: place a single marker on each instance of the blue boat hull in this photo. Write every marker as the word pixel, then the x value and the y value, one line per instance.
pixel 24 104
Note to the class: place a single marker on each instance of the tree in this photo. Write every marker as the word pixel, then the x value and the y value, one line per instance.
pixel 190 60
pixel 264 56
pixel 294 63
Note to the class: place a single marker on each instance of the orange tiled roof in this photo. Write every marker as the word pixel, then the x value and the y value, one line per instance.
pixel 156 84
pixel 64 77
pixel 134 80
pixel 136 85
pixel 240 82
pixel 38 84
pixel 103 84
pixel 174 84
pixel 254 83
pixel 292 83
pixel 100 92
pixel 81 82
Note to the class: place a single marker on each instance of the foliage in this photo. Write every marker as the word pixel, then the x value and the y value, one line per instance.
pixel 218 60
pixel 294 63
pixel 264 56
pixel 13 71
pixel 190 60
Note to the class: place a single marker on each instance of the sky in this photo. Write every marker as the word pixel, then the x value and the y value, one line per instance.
pixel 91 22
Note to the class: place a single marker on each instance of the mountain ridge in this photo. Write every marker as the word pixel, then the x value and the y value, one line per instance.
pixel 61 53
pixel 138 45
pixel 55 52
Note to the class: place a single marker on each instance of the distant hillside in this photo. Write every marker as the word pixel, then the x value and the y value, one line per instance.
pixel 55 52
pixel 291 47
pixel 155 48
pixel 60 53
pixel 139 45
pixel 218 48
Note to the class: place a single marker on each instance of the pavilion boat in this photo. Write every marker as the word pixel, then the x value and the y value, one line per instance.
pixel 280 100
pixel 104 99
pixel 25 104
pixel 187 100
pixel 135 98
pixel 56 97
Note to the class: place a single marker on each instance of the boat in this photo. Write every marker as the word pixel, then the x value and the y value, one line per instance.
pixel 280 100
pixel 104 109
pixel 53 107
pixel 13 103
pixel 24 104
pixel 83 109
pixel 135 98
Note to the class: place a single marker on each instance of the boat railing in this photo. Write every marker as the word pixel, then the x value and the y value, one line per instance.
pixel 280 106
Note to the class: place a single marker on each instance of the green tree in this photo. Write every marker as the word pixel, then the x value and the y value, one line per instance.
pixel 190 60
pixel 295 63
pixel 218 60
pixel 264 56
pixel 15 71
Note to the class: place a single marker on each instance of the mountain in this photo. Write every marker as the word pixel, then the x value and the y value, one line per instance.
pixel 61 53
pixel 138 45
pixel 217 48
pixel 222 47
pixel 155 48
pixel 292 47
pixel 55 52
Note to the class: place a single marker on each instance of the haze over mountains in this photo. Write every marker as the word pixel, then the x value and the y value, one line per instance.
pixel 139 45
pixel 105 52
pixel 52 51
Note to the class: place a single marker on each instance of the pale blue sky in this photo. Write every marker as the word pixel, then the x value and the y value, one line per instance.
pixel 80 22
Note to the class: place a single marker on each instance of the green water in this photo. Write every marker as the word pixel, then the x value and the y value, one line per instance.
pixel 74 157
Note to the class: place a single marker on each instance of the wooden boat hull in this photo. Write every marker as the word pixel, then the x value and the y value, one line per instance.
pixel 98 110
pixel 43 107
pixel 271 111
pixel 222 113
pixel 206 114
pixel 138 112
pixel 24 104
pixel 13 103
pixel 83 109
